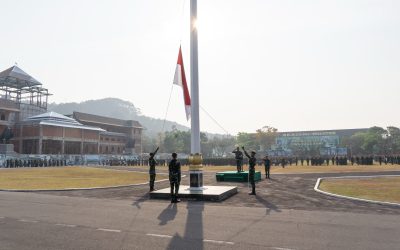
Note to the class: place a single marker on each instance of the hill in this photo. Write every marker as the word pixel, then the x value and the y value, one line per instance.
pixel 116 108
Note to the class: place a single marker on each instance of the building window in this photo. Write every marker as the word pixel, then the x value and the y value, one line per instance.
pixel 2 117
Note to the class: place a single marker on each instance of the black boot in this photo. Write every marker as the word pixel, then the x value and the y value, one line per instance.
pixel 253 191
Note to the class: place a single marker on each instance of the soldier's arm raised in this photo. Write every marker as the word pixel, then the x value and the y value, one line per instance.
pixel 155 152
pixel 245 152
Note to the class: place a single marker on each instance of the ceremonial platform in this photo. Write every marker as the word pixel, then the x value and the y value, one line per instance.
pixel 208 193
pixel 237 176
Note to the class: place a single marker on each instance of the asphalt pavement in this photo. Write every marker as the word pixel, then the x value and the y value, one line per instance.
pixel 285 214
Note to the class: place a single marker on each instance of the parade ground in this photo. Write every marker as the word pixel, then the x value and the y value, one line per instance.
pixel 67 178
pixel 286 214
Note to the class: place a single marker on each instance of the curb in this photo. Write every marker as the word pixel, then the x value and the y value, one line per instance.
pixel 316 188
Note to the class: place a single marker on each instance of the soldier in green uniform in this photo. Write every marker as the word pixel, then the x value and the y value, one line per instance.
pixel 252 170
pixel 152 169
pixel 267 165
pixel 174 168
pixel 239 159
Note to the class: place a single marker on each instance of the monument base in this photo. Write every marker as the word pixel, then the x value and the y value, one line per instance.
pixel 237 176
pixel 208 193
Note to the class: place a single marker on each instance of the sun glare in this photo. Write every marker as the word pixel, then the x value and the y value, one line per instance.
pixel 194 24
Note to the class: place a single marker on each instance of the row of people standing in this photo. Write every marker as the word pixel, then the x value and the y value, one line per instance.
pixel 19 163
pixel 334 160
pixel 388 159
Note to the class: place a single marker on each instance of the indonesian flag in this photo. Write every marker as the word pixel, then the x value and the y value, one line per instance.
pixel 180 79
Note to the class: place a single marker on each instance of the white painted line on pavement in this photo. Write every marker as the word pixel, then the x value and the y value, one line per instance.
pixel 108 230
pixel 220 242
pixel 28 221
pixel 281 248
pixel 160 235
pixel 65 225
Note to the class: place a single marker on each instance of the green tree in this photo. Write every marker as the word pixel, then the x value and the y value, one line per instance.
pixel 149 143
pixel 376 140
pixel 393 139
pixel 176 141
pixel 266 136
pixel 247 140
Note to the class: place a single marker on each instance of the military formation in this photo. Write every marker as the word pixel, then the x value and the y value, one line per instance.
pixel 334 160
pixel 174 166
pixel 19 163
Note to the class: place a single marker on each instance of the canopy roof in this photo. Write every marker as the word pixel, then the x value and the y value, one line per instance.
pixel 56 119
pixel 17 78
pixel 53 116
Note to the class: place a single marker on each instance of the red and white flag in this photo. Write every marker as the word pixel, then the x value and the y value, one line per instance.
pixel 180 79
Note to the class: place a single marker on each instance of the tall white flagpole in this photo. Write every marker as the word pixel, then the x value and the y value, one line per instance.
pixel 196 173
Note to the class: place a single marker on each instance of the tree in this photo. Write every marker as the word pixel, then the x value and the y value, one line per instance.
pixel 376 140
pixel 179 141
pixel 149 144
pixel 393 139
pixel 176 141
pixel 265 137
pixel 246 139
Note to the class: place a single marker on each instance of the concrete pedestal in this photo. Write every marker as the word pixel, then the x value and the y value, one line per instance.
pixel 207 193
pixel 196 179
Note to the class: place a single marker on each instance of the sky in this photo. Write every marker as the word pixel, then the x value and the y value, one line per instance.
pixel 293 65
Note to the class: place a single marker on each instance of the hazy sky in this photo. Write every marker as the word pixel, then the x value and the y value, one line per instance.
pixel 294 65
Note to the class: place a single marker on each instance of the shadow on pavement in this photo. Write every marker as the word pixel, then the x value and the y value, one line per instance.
pixel 193 235
pixel 269 206
pixel 168 214
pixel 143 198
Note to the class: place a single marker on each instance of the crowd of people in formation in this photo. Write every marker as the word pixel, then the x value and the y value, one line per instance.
pixel 334 160
pixel 122 162
pixel 136 162
pixel 388 159
pixel 20 163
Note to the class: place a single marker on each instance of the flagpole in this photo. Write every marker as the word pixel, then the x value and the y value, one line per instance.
pixel 195 159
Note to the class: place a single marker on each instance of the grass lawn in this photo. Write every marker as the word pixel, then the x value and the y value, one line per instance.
pixel 66 177
pixel 379 188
